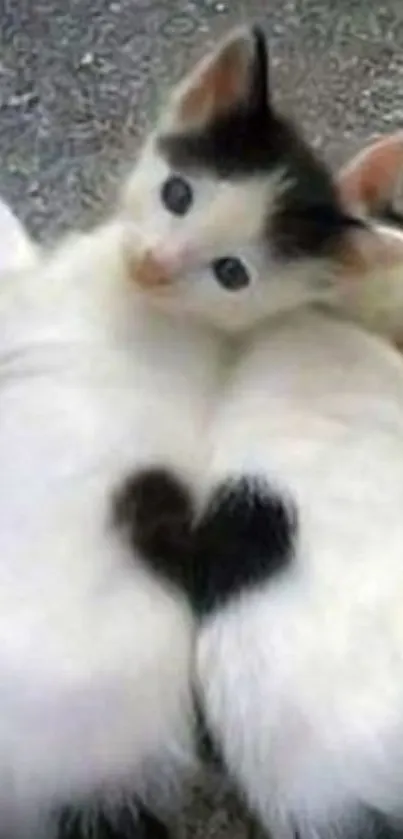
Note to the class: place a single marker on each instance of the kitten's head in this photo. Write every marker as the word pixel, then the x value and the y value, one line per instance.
pixel 237 217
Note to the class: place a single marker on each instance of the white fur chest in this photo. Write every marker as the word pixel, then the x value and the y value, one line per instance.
pixel 302 676
pixel 94 652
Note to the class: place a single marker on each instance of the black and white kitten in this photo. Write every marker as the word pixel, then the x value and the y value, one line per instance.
pixel 95 647
pixel 229 198
pixel 108 365
pixel 296 566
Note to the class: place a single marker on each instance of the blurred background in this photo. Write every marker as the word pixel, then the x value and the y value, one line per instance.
pixel 81 79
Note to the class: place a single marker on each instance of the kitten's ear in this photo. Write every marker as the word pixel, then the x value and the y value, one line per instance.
pixel 234 75
pixel 370 185
pixel 372 182
pixel 16 248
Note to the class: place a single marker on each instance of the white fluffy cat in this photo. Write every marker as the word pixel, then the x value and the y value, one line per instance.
pixel 94 649
pixel 299 564
pixel 297 560
pixel 109 367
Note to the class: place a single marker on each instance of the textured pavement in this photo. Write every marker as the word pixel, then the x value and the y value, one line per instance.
pixel 80 79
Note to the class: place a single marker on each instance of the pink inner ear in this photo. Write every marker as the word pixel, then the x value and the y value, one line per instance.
pixel 371 178
pixel 220 83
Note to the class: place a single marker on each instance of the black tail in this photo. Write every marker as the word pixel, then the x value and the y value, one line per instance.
pixel 155 510
pixel 245 536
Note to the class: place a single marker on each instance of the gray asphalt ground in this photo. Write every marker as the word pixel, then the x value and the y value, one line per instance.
pixel 80 79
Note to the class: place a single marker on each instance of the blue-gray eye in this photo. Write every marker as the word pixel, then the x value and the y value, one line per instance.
pixel 177 195
pixel 230 273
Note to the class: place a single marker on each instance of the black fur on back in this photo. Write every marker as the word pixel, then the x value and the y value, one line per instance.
pixel 154 509
pixel 245 535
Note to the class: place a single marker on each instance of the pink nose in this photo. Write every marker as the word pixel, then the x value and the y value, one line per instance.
pixel 172 260
pixel 149 273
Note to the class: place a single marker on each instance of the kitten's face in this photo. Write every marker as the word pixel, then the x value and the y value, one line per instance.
pixel 236 217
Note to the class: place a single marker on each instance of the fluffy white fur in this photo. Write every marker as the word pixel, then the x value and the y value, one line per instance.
pixel 94 652
pixel 96 380
pixel 302 678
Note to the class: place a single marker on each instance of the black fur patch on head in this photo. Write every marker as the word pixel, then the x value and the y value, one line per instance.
pixel 247 140
pixel 231 143
pixel 259 94
pixel 124 824
pixel 308 219
pixel 154 508
pixel 246 535
pixel 252 139
pixel 304 227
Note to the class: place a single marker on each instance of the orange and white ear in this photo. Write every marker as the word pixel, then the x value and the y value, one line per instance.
pixel 369 186
pixel 17 250
pixel 372 180
pixel 234 73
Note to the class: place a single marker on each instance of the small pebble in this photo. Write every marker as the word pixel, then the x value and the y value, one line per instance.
pixel 28 97
pixel 33 188
pixel 86 60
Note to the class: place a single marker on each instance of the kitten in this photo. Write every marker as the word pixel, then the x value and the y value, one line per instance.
pixel 229 198
pixel 109 365
pixel 295 568
pixel 226 200
pixel 95 647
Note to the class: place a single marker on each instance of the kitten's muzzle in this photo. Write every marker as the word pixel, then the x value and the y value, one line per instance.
pixel 160 266
pixel 150 272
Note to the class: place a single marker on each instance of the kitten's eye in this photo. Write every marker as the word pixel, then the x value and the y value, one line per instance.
pixel 177 195
pixel 230 273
